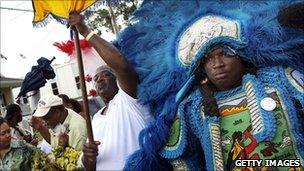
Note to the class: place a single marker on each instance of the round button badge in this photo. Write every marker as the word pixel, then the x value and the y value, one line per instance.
pixel 268 104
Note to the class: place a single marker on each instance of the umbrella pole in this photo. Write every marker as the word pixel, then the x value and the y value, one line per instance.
pixel 83 85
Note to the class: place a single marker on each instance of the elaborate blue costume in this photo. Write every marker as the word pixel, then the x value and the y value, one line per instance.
pixel 261 119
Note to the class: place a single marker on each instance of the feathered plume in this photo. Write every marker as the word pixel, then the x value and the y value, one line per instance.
pixel 151 43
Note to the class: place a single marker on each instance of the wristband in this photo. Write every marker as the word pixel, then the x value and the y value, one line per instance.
pixel 89 36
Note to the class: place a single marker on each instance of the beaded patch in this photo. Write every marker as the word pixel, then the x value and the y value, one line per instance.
pixel 238 141
pixel 215 135
pixel 296 78
pixel 263 121
pixel 174 134
pixel 256 118
pixel 203 30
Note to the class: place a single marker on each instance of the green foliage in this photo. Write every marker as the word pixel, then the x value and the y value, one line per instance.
pixel 125 10
pixel 59 160
pixel 37 135
pixel 42 162
pixel 101 18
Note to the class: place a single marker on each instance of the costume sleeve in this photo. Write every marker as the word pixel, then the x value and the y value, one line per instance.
pixel 294 83
pixel 183 148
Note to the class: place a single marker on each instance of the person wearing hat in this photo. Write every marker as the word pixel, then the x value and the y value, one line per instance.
pixel 118 124
pixel 50 108
pixel 227 81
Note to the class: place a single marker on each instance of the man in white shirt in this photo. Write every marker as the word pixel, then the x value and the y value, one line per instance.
pixel 116 126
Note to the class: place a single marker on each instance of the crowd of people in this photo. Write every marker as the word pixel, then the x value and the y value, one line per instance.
pixel 233 110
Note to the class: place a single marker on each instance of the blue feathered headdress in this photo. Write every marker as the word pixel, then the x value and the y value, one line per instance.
pixel 157 37
pixel 167 39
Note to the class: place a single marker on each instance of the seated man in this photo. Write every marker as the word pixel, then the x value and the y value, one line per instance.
pixel 50 108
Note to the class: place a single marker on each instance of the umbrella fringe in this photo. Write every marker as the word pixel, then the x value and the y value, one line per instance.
pixel 43 22
pixel 48 19
pixel 60 19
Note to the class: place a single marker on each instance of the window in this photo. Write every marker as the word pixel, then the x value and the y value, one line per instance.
pixel 77 80
pixel 55 88
pixel 25 101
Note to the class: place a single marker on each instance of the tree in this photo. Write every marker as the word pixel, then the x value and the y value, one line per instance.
pixel 113 17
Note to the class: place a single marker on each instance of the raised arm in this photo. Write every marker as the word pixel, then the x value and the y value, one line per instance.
pixel 126 75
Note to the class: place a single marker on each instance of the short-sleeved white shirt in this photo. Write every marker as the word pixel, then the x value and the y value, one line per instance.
pixel 118 130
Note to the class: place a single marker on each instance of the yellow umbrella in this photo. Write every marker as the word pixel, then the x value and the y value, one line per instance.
pixel 58 9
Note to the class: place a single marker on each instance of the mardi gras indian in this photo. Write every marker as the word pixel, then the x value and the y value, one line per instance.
pixel 225 82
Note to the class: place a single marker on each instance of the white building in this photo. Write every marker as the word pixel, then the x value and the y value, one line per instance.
pixel 6 87
pixel 66 82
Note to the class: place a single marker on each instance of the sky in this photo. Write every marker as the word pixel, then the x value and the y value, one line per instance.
pixel 22 44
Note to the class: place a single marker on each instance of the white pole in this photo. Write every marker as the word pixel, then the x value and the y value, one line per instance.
pixel 33 98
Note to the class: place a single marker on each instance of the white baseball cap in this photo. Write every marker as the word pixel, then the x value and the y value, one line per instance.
pixel 45 103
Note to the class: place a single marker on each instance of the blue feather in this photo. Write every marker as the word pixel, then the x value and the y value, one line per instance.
pixel 150 44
